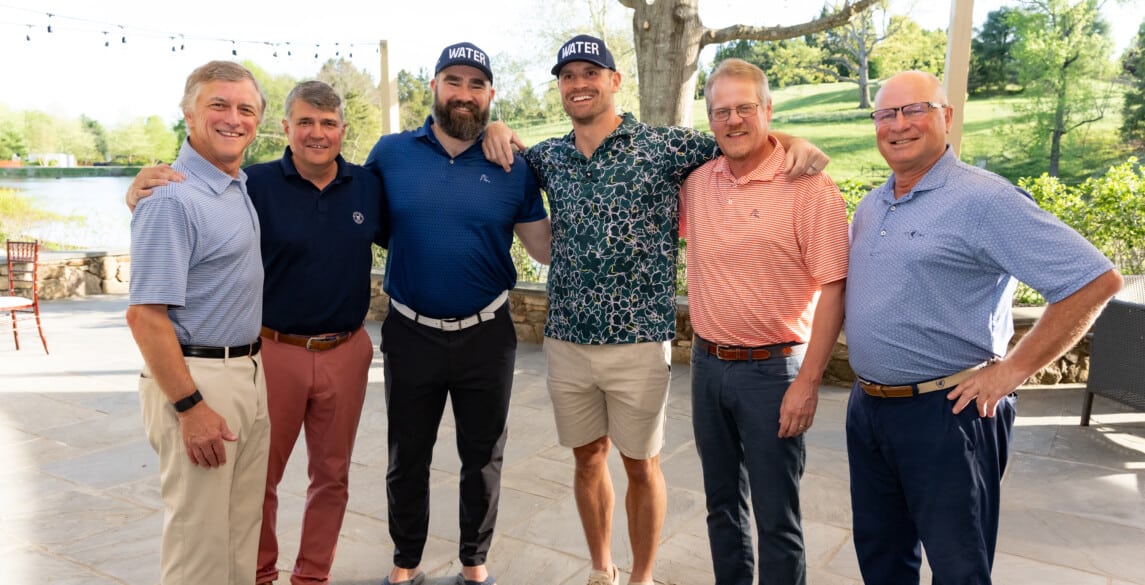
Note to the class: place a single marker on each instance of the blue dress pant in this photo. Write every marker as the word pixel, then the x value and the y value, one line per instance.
pixel 735 417
pixel 423 366
pixel 922 475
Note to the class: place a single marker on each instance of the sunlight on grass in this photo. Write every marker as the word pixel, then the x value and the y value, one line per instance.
pixel 827 114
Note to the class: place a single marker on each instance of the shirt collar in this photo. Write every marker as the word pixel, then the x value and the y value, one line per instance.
pixel 935 178
pixel 289 169
pixel 213 177
pixel 765 172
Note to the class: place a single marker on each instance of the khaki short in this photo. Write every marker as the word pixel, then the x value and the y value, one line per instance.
pixel 619 390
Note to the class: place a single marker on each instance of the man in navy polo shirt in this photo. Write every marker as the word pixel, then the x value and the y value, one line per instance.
pixel 448 332
pixel 319 216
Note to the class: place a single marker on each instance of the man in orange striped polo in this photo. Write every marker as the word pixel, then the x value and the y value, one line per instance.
pixel 767 265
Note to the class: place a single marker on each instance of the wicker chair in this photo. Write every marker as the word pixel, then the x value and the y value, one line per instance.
pixel 1117 357
pixel 23 298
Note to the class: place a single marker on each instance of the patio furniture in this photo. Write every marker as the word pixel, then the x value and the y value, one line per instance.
pixel 23 299
pixel 1117 356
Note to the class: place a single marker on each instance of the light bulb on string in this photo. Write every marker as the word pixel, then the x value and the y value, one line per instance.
pixel 172 44
pixel 49 22
pixel 28 35
pixel 122 39
pixel 106 42
pixel 234 51
pixel 316 47
pixel 336 51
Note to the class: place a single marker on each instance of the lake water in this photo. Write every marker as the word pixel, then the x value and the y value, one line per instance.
pixel 101 220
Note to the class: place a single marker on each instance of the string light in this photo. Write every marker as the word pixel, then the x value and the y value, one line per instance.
pixel 52 26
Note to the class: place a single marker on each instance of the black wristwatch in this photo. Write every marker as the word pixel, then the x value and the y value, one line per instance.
pixel 188 402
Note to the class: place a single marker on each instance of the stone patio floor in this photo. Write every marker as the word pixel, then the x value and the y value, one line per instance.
pixel 79 497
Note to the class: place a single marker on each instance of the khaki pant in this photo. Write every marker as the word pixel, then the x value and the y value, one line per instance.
pixel 212 515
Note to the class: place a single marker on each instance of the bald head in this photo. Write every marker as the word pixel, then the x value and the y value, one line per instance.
pixel 913 139
pixel 918 83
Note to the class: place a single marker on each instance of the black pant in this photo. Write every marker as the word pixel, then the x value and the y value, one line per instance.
pixel 474 367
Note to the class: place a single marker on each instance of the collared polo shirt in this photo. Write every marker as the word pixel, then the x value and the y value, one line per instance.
pixel 615 234
pixel 316 245
pixel 932 273
pixel 451 222
pixel 760 248
pixel 194 248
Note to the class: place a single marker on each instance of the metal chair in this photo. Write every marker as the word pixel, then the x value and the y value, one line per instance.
pixel 1117 357
pixel 23 299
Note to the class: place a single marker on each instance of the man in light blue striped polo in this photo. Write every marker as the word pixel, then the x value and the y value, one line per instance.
pixel 195 312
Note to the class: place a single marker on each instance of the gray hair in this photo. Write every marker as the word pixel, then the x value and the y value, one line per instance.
pixel 318 94
pixel 218 71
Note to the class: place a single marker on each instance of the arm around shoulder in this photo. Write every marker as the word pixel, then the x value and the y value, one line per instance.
pixel 537 238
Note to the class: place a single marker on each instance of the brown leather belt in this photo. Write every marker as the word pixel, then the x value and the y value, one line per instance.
pixel 734 353
pixel 310 342
pixel 906 391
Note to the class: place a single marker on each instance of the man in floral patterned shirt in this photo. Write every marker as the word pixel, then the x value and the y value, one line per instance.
pixel 613 187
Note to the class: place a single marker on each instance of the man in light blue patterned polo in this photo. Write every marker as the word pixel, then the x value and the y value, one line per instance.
pixel 195 311
pixel 934 257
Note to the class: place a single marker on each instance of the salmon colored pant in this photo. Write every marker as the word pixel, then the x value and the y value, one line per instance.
pixel 323 392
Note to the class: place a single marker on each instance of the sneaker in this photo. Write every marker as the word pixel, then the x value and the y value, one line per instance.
pixel 603 578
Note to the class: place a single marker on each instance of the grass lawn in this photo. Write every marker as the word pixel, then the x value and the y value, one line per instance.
pixel 827 115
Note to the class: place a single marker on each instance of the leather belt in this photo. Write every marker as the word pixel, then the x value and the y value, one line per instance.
pixel 310 342
pixel 457 324
pixel 739 354
pixel 218 353
pixel 909 390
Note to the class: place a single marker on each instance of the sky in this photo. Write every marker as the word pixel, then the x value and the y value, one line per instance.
pixel 83 66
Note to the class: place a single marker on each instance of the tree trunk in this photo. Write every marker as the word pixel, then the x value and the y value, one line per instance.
pixel 1056 136
pixel 668 36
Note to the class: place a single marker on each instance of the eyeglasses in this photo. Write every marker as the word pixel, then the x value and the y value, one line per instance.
pixel 909 111
pixel 744 111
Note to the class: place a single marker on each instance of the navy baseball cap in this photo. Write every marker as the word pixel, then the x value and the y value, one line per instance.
pixel 584 48
pixel 464 54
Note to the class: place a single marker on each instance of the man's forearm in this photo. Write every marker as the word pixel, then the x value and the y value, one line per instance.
pixel 156 339
pixel 1063 324
pixel 825 327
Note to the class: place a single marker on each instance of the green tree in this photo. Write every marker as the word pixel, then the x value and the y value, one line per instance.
pixel 1062 51
pixel 909 48
pixel 1133 109
pixel 992 63
pixel 786 62
pixel 360 104
pixel 162 143
pixel 851 47
pixel 270 141
pixel 127 143
pixel 98 135
pixel 414 98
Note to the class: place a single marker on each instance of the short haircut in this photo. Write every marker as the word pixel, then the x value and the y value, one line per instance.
pixel 317 94
pixel 740 69
pixel 218 71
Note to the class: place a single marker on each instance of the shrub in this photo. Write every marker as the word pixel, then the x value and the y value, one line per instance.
pixel 1109 211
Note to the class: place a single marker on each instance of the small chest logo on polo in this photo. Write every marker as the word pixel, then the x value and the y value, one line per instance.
pixel 359 218
pixel 484 178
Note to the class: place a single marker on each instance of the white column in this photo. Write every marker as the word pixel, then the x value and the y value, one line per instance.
pixel 389 89
pixel 958 64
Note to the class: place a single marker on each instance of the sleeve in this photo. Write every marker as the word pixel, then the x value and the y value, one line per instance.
pixel 821 225
pixel 1019 238
pixel 162 246
pixel 534 157
pixel 532 204
pixel 692 149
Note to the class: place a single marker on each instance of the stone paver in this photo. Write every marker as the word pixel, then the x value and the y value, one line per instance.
pixel 79 500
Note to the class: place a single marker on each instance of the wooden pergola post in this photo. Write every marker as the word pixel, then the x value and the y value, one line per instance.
pixel 958 65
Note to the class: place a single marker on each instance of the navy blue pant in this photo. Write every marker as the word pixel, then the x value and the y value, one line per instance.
pixel 474 368
pixel 921 474
pixel 735 417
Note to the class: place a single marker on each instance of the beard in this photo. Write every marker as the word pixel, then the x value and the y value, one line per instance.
pixel 457 125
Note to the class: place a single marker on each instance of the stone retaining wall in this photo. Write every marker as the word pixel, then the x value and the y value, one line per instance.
pixel 65 274
pixel 77 274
